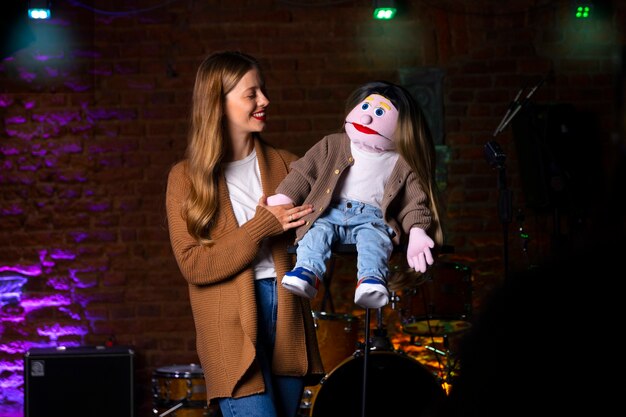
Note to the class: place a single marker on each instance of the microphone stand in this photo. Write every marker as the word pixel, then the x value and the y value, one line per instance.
pixel 496 159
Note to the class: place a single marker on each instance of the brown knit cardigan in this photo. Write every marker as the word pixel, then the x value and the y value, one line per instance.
pixel 221 288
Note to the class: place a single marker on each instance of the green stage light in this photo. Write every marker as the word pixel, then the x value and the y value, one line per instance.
pixel 582 12
pixel 384 9
pixel 583 9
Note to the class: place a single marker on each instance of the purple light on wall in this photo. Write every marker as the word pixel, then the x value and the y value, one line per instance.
pixel 26 167
pixel 79 236
pixel 5 100
pixel 43 58
pixel 62 254
pixel 16 120
pixel 13 348
pixel 8 150
pixel 28 135
pixel 110 114
pixel 52 72
pixel 55 300
pixel 31 270
pixel 100 207
pixel 39 151
pixel 12 211
pixel 10 387
pixel 76 86
pixel 42 259
pixel 56 330
pixel 72 314
pixel 26 75
pixel 66 148
pixel 74 177
pixel 11 287
pixel 60 118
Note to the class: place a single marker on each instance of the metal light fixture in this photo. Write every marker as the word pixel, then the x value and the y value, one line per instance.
pixel 39 9
pixel 384 9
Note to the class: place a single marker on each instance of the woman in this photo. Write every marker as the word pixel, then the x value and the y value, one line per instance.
pixel 256 341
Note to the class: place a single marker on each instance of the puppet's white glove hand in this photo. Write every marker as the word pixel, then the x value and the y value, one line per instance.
pixel 418 252
pixel 278 200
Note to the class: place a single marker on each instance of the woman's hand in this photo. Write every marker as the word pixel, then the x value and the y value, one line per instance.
pixel 288 215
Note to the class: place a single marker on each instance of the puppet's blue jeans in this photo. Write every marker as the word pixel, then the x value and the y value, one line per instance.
pixel 348 222
pixel 282 393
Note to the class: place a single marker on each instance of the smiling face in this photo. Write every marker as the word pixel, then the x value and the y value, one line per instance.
pixel 245 106
pixel 372 123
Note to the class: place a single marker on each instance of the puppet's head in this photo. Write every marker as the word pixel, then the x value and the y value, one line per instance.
pixel 377 114
pixel 371 124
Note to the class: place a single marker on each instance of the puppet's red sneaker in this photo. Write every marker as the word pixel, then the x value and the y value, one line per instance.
pixel 371 292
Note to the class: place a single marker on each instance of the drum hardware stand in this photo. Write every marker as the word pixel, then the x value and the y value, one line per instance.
pixel 172 409
pixel 449 366
pixel 366 349
pixel 327 298
pixel 380 341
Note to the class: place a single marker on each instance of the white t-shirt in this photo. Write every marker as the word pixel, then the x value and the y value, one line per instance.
pixel 243 179
pixel 365 180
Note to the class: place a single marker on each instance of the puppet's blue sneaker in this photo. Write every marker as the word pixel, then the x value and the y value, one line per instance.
pixel 371 292
pixel 301 282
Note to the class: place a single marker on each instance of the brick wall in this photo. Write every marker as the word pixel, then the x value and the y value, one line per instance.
pixel 94 112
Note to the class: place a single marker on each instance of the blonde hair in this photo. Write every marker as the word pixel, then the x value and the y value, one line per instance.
pixel 216 76
pixel 413 141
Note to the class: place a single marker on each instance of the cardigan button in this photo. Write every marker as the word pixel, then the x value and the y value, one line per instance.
pixel 336 171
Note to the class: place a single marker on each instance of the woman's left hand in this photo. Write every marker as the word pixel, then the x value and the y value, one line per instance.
pixel 288 215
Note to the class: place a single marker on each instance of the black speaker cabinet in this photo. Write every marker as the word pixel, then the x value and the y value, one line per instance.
pixel 83 381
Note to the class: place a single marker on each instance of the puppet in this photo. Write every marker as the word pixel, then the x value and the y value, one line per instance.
pixel 372 185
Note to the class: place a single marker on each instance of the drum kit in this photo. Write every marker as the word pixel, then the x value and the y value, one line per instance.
pixel 434 306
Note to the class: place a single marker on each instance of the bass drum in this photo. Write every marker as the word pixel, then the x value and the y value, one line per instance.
pixel 397 385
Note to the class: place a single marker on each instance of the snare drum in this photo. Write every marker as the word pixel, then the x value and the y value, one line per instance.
pixel 440 303
pixel 181 389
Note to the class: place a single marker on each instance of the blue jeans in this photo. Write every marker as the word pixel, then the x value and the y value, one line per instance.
pixel 348 222
pixel 282 393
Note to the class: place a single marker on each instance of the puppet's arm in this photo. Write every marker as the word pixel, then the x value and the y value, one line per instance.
pixel 418 251
pixel 278 199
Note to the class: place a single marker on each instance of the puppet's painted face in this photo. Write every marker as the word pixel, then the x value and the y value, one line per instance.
pixel 372 124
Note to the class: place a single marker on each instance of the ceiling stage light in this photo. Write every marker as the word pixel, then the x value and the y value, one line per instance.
pixel 39 9
pixel 384 9
pixel 583 9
